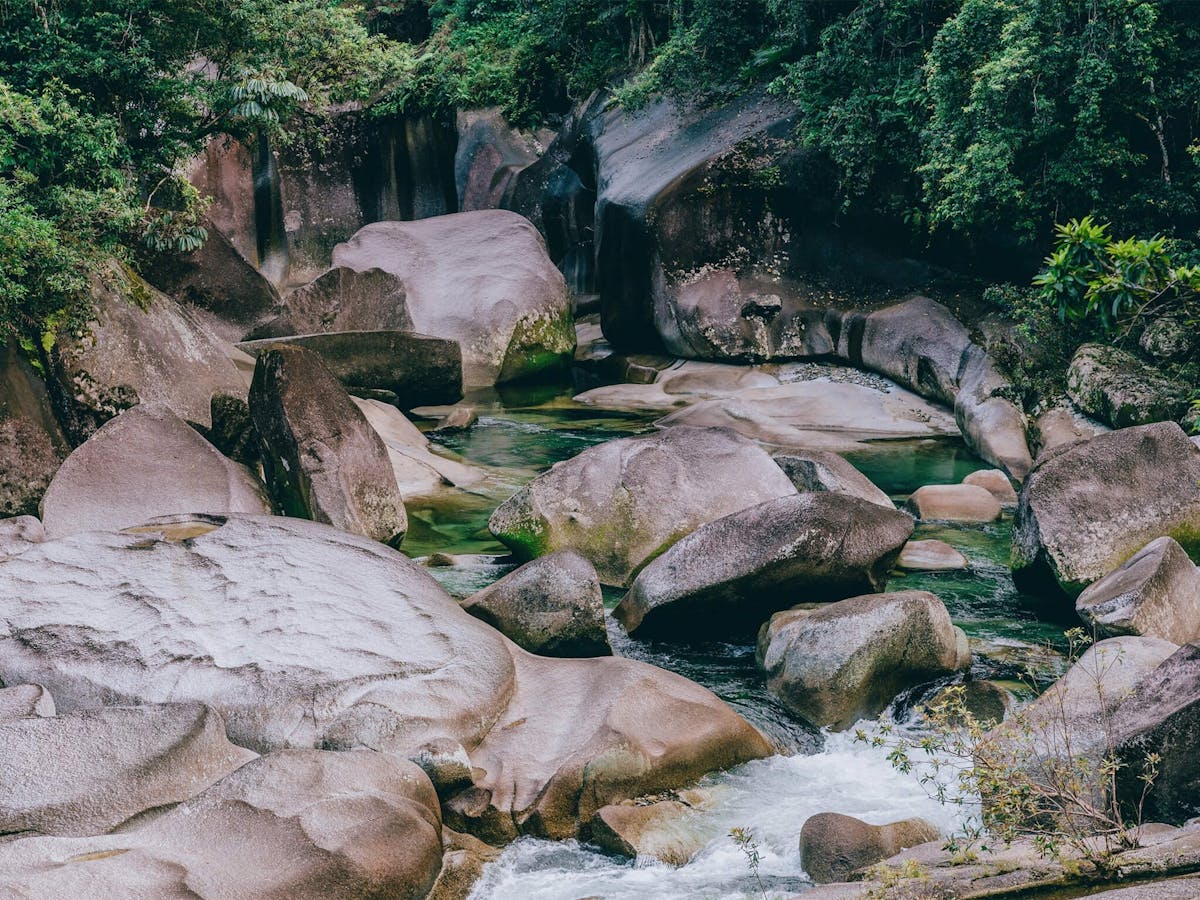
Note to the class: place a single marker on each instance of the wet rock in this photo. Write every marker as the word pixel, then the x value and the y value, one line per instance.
pixel 143 347
pixel 818 470
pixel 832 845
pixel 985 701
pixel 1089 506
pixel 482 279
pixel 461 418
pixel 256 618
pixel 729 576
pixel 839 663
pixel 1156 593
pixel 463 859
pixel 623 502
pixel 415 369
pixel 24 701
pixel 996 483
pixel 300 824
pixel 146 463
pixel 322 458
pixel 930 556
pixel 87 771
pixel 954 503
pixel 1119 390
pixel 551 606
pixel 668 831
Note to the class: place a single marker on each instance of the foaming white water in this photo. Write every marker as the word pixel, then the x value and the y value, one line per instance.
pixel 771 797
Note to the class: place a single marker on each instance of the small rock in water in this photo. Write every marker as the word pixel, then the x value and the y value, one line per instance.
pixel 996 483
pixel 832 846
pixel 930 556
pixel 458 419
pixel 954 503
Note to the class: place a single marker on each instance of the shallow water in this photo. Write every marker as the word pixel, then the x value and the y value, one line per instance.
pixel 523 432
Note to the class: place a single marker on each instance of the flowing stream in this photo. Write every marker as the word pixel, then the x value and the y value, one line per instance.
pixel 523 432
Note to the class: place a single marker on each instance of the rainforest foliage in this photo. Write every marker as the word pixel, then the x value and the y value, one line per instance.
pixel 987 120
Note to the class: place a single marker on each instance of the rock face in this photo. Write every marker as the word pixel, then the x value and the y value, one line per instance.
pixel 86 772
pixel 1062 424
pixel 1119 390
pixel 323 460
pixel 295 824
pixel 623 502
pixel 730 575
pixel 1090 506
pixel 838 663
pixel 146 463
pixel 142 348
pixel 954 503
pixel 419 370
pixel 832 845
pixel 1156 594
pixel 551 606
pixel 819 470
pixel 32 445
pixel 482 279
pixel 342 299
pixel 256 619
pixel 25 700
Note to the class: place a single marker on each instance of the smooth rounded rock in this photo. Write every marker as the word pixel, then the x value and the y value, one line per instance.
pixel 954 503
pixel 833 846
pixel 819 470
pixel 996 483
pixel 930 556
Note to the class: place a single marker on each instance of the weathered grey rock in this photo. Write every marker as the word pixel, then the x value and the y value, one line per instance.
pixel 341 299
pixel 87 771
pixel 143 347
pixel 1156 593
pixel 301 824
pixel 667 830
pixel 460 418
pixel 463 860
pixel 19 533
pixel 1062 424
pixel 257 619
pixel 482 279
pixel 145 463
pixel 32 446
pixel 832 845
pixel 322 458
pixel 623 502
pixel 985 701
pixel 1089 506
pixel 419 370
pixel 839 663
pixel 996 483
pixel 954 503
pixel 819 470
pixel 25 700
pixel 489 156
pixel 1168 337
pixel 1120 390
pixel 551 606
pixel 729 576
pixel 930 556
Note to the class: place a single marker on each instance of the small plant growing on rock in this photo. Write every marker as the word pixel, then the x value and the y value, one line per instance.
pixel 744 838
pixel 1034 780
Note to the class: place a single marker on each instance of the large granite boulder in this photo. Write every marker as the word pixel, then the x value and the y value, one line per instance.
pixel 1089 506
pixel 1156 593
pixel 419 370
pixel 842 662
pixel 551 606
pixel 480 278
pixel 322 458
pixel 832 845
pixel 32 445
pixel 88 771
pixel 142 347
pixel 341 299
pixel 303 636
pixel 146 462
pixel 729 576
pixel 295 825
pixel 1120 390
pixel 624 502
pixel 820 470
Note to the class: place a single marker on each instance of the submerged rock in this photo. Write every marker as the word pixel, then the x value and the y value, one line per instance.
pixel 482 279
pixel 1089 506
pixel 322 458
pixel 624 502
pixel 551 606
pixel 146 463
pixel 819 470
pixel 729 576
pixel 1155 593
pixel 259 619
pixel 839 663
pixel 954 503
pixel 832 845
pixel 1120 390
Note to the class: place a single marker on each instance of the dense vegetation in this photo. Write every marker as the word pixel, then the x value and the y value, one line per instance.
pixel 992 120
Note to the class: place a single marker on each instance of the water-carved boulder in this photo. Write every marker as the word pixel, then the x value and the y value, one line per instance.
pixel 623 502
pixel 730 575
pixel 832 845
